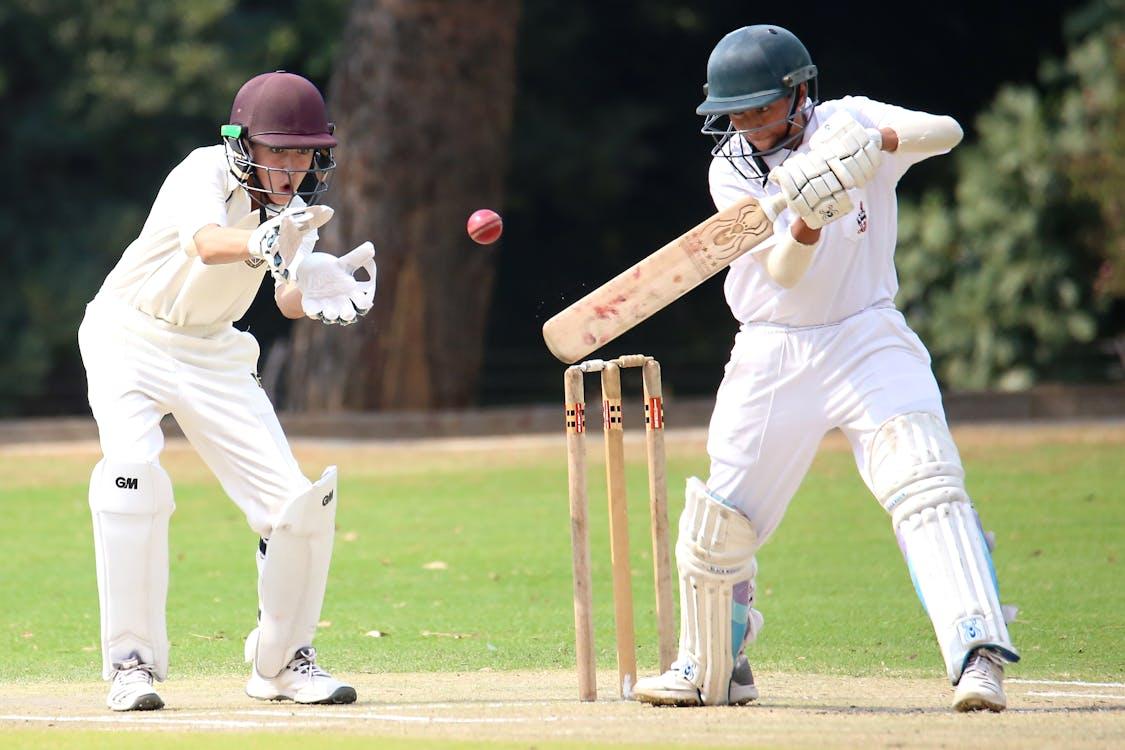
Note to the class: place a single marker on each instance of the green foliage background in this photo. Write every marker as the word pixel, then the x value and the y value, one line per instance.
pixel 1013 278
pixel 101 98
pixel 1010 264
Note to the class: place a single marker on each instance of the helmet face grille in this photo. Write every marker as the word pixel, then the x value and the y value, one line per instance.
pixel 735 146
pixel 311 183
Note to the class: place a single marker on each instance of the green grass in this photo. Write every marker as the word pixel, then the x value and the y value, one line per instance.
pixel 832 584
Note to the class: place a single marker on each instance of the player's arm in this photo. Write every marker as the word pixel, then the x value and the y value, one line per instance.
pixel 288 299
pixel 791 254
pixel 920 133
pixel 217 245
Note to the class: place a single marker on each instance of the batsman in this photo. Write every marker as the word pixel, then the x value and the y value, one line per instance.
pixel 822 346
pixel 159 338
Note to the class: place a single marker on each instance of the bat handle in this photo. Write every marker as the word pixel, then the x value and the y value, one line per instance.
pixel 773 205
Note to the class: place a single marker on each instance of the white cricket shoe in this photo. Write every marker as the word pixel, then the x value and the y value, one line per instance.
pixel 302 681
pixel 982 684
pixel 131 688
pixel 673 689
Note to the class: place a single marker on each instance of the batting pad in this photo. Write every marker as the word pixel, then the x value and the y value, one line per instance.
pixel 714 553
pixel 952 572
pixel 293 576
pixel 915 472
pixel 131 504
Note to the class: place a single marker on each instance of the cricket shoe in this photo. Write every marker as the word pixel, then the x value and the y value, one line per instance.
pixel 131 688
pixel 982 684
pixel 673 689
pixel 302 681
pixel 742 688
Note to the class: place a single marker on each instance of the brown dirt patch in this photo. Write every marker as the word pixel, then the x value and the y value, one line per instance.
pixel 795 711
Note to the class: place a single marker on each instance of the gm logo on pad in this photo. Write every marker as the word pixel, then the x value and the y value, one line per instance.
pixel 126 483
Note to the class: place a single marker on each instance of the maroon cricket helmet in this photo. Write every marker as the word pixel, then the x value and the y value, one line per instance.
pixel 282 110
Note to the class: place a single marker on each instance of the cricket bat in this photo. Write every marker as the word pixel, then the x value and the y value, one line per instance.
pixel 660 279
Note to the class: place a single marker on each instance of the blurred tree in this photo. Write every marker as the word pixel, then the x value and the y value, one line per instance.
pixel 1004 287
pixel 102 98
pixel 1092 128
pixel 422 98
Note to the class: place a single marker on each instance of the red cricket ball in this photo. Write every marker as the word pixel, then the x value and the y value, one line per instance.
pixel 485 226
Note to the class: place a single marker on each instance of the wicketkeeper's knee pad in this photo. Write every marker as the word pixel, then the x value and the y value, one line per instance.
pixel 131 504
pixel 916 474
pixel 714 555
pixel 293 576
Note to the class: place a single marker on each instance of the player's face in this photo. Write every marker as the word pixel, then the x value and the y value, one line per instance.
pixel 280 170
pixel 763 126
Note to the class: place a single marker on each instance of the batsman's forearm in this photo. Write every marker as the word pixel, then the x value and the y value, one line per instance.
pixel 217 245
pixel 921 133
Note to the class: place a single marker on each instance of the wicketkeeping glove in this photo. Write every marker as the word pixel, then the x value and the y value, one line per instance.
pixel 329 290
pixel 853 151
pixel 277 241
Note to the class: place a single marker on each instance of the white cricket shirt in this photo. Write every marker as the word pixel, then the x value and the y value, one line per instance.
pixel 160 273
pixel 853 267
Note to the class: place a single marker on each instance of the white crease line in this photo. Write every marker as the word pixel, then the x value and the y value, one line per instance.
pixel 1061 694
pixel 152 720
pixel 398 707
pixel 1066 682
pixel 294 720
pixel 348 715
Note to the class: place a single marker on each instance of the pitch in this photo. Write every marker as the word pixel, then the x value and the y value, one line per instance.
pixel 449 603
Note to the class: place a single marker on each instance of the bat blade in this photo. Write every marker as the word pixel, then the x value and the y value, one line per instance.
pixel 658 280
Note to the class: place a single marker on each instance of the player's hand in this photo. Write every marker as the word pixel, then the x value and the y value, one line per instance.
pixel 277 241
pixel 811 189
pixel 853 151
pixel 329 290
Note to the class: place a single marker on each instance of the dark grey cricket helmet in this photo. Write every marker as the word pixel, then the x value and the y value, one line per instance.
pixel 752 67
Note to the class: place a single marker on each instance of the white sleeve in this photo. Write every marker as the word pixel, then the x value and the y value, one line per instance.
pixel 199 187
pixel 926 135
pixel 727 186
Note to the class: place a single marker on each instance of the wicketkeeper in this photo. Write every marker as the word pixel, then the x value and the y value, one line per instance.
pixel 159 339
pixel 821 346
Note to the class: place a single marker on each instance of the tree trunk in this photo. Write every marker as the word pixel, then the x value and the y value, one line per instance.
pixel 422 98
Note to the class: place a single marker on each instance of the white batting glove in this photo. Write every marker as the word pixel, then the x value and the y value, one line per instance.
pixel 330 292
pixel 811 189
pixel 853 151
pixel 276 241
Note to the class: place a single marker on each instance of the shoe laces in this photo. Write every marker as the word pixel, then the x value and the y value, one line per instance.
pixel 985 666
pixel 304 663
pixel 132 670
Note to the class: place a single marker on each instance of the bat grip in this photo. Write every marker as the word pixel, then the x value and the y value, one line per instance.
pixel 773 205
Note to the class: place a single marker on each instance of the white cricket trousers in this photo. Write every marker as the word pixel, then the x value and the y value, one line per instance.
pixel 139 369
pixel 785 387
